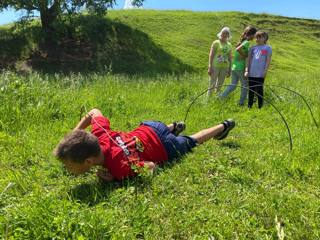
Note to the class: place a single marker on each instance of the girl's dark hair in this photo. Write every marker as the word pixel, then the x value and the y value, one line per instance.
pixel 247 32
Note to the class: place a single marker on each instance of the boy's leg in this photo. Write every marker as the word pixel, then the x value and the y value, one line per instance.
pixel 176 127
pixel 207 134
pixel 218 132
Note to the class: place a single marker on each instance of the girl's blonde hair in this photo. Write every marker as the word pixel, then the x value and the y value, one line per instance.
pixel 225 29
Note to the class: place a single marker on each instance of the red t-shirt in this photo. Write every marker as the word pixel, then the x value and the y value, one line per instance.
pixel 116 158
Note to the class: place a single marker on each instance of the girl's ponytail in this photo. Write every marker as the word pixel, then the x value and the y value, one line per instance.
pixel 247 32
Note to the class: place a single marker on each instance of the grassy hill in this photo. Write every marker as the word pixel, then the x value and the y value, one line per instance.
pixel 239 188
pixel 188 35
pixel 156 42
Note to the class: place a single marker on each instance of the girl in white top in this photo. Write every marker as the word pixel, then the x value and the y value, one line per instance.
pixel 220 58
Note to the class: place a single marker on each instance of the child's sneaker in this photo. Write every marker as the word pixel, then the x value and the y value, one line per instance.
pixel 228 125
pixel 178 127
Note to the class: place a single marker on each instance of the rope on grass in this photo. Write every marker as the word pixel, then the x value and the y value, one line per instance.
pixel 288 89
pixel 83 108
pixel 225 85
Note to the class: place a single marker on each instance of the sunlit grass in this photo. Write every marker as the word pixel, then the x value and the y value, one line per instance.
pixel 224 189
pixel 239 188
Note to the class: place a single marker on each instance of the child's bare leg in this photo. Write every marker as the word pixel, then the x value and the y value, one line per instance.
pixel 209 133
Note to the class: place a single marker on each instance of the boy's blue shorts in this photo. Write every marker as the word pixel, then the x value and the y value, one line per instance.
pixel 176 146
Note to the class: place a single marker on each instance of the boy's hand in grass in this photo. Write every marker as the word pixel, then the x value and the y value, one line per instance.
pixel 150 166
pixel 210 71
pixel 104 175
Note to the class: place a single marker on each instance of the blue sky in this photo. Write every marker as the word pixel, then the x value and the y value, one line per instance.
pixel 291 8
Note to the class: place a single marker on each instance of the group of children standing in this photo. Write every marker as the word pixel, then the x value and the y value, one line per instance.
pixel 247 65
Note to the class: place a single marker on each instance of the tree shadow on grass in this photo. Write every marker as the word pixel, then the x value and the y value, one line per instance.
pixel 87 44
pixel 12 47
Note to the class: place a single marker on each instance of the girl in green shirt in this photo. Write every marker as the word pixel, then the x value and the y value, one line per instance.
pixel 220 58
pixel 239 65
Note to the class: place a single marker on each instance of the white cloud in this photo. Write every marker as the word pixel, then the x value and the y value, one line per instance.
pixel 128 5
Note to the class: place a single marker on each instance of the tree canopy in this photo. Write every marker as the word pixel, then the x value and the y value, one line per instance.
pixel 51 10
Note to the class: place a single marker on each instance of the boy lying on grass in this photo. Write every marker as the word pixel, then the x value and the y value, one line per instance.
pixel 124 154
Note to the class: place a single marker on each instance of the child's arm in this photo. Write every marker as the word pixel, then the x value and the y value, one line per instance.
pixel 86 120
pixel 248 63
pixel 211 56
pixel 241 52
pixel 267 66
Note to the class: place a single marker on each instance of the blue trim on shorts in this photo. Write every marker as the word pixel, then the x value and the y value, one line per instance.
pixel 176 146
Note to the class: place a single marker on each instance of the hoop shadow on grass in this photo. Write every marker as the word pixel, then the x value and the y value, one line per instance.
pixel 89 43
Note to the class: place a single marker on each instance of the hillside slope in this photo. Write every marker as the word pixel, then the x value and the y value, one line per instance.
pixel 145 41
pixel 248 186
pixel 188 35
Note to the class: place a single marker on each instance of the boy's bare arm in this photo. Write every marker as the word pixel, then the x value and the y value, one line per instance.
pixel 86 120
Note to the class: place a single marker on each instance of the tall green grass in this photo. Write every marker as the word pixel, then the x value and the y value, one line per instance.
pixel 229 189
pixel 239 188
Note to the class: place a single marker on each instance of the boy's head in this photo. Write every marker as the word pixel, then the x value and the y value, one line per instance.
pixel 261 37
pixel 79 151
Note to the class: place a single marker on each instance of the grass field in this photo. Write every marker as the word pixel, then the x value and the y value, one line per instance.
pixel 239 188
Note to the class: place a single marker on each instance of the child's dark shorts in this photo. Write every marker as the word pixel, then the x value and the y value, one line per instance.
pixel 176 146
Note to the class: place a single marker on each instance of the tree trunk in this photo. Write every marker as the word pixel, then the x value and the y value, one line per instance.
pixel 48 16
